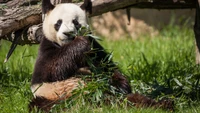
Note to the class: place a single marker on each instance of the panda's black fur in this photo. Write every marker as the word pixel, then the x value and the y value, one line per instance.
pixel 60 62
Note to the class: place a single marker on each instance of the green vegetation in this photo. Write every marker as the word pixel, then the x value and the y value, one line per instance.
pixel 163 66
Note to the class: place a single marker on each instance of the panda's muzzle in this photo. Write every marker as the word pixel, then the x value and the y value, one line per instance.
pixel 69 35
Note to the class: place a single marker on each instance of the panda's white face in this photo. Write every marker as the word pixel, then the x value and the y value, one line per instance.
pixel 62 22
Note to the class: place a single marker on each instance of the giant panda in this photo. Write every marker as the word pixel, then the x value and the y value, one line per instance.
pixel 62 56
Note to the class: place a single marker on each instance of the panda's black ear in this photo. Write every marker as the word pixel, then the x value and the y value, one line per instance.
pixel 87 6
pixel 47 6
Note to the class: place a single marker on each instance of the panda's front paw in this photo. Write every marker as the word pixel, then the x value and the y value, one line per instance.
pixel 83 39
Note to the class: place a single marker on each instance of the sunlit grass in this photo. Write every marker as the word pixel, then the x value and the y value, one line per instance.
pixel 15 76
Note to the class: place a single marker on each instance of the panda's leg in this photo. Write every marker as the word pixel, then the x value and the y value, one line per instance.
pixel 139 100
pixel 48 94
pixel 120 82
pixel 40 103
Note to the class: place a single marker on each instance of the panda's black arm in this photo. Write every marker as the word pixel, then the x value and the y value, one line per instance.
pixel 72 56
pixel 59 62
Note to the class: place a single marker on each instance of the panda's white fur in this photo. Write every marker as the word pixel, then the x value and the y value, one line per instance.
pixel 57 90
pixel 67 13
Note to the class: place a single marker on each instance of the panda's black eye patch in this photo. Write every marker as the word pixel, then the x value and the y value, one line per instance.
pixel 58 24
pixel 76 24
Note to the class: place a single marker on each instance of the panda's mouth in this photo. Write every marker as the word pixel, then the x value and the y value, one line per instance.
pixel 69 36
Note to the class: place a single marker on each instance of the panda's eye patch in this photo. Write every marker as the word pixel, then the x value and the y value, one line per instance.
pixel 76 24
pixel 58 24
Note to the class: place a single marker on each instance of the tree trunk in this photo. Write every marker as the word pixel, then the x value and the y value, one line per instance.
pixel 197 32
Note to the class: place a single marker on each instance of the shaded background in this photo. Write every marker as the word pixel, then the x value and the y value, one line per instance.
pixel 113 25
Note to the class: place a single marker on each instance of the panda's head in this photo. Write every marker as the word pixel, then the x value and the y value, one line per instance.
pixel 62 21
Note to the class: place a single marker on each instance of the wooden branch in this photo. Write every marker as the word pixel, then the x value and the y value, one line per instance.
pixel 103 6
pixel 18 14
pixel 22 18
pixel 21 14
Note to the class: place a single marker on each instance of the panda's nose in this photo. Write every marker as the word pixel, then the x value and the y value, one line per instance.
pixel 70 35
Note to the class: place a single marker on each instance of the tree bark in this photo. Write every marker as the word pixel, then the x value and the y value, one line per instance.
pixel 197 32
pixel 19 15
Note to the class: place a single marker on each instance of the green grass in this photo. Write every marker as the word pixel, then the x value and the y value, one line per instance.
pixel 15 76
pixel 163 66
